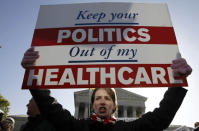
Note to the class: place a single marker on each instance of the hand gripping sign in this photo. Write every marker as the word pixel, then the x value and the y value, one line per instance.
pixel 103 45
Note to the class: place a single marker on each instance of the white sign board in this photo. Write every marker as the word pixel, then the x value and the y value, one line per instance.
pixel 103 45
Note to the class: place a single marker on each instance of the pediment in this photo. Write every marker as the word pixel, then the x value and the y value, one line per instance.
pixel 121 93
pixel 124 94
pixel 82 93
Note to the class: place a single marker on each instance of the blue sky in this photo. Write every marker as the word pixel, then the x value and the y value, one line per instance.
pixel 17 23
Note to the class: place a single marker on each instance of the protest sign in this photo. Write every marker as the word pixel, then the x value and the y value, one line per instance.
pixel 103 45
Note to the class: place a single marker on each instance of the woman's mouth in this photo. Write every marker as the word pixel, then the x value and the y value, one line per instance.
pixel 102 109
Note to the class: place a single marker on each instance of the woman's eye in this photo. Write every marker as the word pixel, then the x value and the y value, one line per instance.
pixel 97 98
pixel 107 98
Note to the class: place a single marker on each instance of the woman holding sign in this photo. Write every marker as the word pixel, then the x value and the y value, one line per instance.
pixel 104 105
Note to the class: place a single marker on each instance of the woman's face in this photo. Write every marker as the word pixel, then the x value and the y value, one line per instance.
pixel 33 109
pixel 103 105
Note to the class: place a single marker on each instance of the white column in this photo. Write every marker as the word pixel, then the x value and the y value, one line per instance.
pixel 134 112
pixel 125 111
pixel 76 110
pixel 142 110
pixel 86 111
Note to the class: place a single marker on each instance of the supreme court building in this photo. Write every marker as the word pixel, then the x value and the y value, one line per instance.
pixel 130 105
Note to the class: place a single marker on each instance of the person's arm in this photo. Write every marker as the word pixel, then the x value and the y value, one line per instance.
pixel 48 107
pixel 161 117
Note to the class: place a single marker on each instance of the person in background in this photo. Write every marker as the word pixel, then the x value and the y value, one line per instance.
pixel 35 120
pixel 7 124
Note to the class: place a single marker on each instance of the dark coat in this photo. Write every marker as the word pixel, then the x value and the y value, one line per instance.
pixel 197 129
pixel 37 123
pixel 157 120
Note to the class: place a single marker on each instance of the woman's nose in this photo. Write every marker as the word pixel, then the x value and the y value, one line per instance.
pixel 102 101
